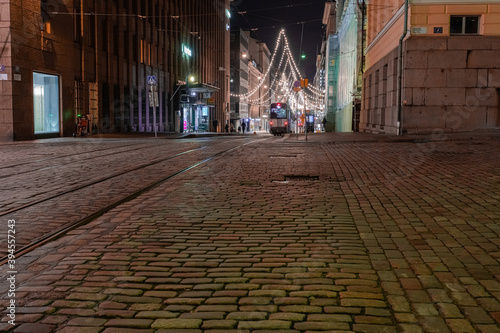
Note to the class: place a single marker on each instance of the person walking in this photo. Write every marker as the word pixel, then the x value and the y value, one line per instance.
pixel 227 128
pixel 243 126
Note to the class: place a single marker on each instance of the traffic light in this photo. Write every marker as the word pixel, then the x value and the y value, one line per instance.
pixel 303 56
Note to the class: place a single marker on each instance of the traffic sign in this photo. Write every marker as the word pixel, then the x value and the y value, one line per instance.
pixel 151 80
pixel 296 86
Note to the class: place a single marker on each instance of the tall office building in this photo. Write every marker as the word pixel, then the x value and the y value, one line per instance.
pixel 127 66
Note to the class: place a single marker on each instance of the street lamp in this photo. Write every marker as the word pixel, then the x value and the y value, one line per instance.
pixel 179 85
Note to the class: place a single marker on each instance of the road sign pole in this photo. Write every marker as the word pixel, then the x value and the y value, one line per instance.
pixel 305 120
pixel 152 100
pixel 154 111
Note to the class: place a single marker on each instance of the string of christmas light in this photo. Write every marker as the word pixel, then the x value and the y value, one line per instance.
pixel 280 82
pixel 272 83
pixel 282 33
pixel 310 86
pixel 290 61
pixel 280 89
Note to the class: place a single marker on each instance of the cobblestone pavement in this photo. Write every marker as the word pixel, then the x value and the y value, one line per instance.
pixel 283 235
pixel 76 178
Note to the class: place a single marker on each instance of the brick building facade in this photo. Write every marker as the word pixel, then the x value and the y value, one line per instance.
pixel 63 59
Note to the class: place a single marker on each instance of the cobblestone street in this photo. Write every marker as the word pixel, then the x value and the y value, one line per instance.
pixel 342 233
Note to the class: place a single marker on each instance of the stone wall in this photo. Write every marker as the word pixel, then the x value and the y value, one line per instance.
pixel 449 84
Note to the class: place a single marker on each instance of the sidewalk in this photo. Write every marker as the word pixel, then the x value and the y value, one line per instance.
pixel 493 134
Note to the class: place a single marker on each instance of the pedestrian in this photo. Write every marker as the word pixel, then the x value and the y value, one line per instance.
pixel 239 129
pixel 215 123
pixel 243 125
pixel 227 128
pixel 232 128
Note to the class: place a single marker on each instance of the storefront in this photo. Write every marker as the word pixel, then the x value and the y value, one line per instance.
pixel 195 118
pixel 46 108
pixel 197 109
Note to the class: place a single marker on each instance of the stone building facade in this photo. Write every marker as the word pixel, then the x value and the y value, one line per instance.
pixel 62 60
pixel 448 78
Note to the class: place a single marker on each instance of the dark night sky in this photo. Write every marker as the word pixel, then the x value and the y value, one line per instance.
pixel 268 19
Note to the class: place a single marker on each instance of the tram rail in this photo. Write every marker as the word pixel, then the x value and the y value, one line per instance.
pixel 90 216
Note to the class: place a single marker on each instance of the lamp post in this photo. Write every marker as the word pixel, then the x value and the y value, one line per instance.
pixel 179 85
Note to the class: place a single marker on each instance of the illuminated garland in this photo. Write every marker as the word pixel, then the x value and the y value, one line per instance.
pixel 294 71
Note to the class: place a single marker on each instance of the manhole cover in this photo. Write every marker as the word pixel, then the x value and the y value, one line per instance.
pixel 301 178
pixel 249 183
pixel 469 143
pixel 282 156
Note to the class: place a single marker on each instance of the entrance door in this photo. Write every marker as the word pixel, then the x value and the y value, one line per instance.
pixel 46 103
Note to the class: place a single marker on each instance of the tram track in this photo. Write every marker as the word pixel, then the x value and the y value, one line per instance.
pixel 24 163
pixel 53 235
pixel 100 180
pixel 83 160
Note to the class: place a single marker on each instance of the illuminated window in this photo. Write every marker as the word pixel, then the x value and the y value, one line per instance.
pixel 46 103
pixel 46 26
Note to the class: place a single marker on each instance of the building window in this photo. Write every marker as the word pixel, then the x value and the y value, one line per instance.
pixel 91 34
pixel 77 28
pixel 46 103
pixel 143 51
pixel 135 53
pixel 105 36
pixel 46 14
pixel 464 25
pixel 126 43
pixel 116 41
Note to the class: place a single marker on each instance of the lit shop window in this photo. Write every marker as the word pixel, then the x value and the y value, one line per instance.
pixel 46 103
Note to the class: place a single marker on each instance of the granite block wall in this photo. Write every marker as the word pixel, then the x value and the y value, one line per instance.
pixel 449 84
